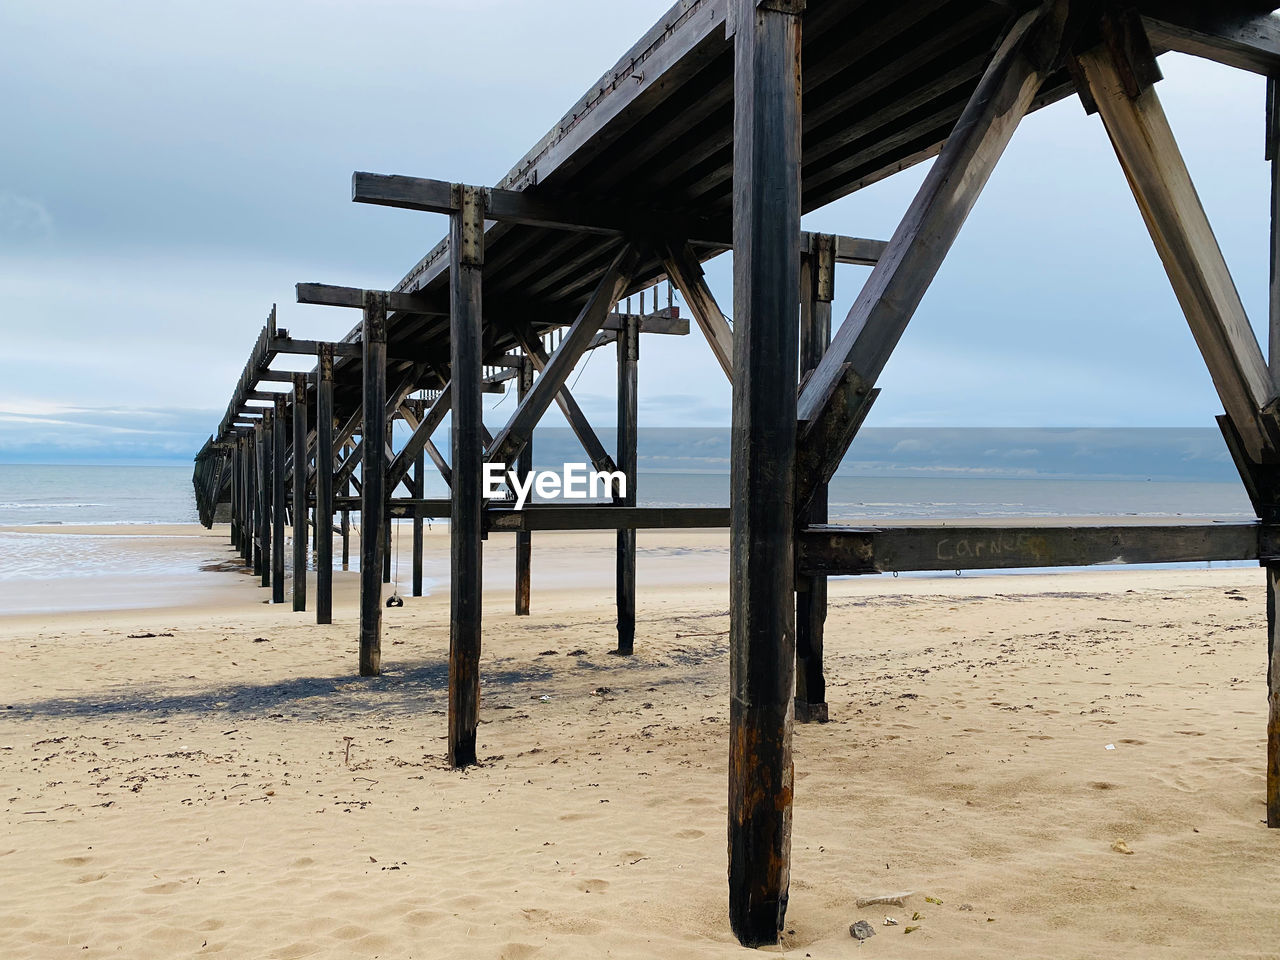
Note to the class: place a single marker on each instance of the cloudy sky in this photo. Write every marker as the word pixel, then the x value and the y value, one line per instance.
pixel 171 169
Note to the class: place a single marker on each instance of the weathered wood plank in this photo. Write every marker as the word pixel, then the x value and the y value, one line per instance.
pixel 466 525
pixel 604 517
pixel 841 551
pixel 420 483
pixel 1237 34
pixel 329 295
pixel 766 267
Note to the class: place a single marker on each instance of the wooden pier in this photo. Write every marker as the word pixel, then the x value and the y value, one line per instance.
pixel 723 125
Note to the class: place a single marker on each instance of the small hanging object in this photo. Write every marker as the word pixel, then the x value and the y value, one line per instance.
pixel 395 600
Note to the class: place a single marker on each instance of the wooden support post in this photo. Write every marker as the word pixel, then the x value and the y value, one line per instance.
pixel 817 290
pixel 262 434
pixel 373 474
pixel 280 442
pixel 324 484
pixel 247 528
pixel 1273 696
pixel 388 554
pixel 346 516
pixel 299 492
pixel 235 496
pixel 766 280
pixel 524 538
pixel 466 252
pixel 628 401
pixel 420 472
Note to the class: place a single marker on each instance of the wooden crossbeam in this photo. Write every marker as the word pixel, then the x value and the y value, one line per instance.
pixel 311 347
pixel 685 272
pixel 605 517
pixel 836 398
pixel 555 374
pixel 1179 227
pixel 1238 34
pixel 590 215
pixel 331 295
pixel 844 551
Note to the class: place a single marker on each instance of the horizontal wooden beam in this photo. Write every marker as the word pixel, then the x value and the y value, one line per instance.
pixel 604 517
pixel 840 551
pixel 329 295
pixel 561 213
pixel 1229 33
pixel 341 348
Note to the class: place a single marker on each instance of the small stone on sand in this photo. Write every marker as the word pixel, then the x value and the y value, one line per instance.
pixel 862 930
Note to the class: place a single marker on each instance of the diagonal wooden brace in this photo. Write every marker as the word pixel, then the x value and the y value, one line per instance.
pixel 595 450
pixel 509 441
pixel 862 346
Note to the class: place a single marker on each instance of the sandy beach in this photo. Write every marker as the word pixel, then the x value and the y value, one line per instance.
pixel 203 774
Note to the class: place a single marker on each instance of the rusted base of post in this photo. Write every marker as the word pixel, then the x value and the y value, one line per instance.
pixel 811 618
pixel 811 712
pixel 626 592
pixel 760 792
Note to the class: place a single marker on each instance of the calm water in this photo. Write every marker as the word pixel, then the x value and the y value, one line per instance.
pixel 32 493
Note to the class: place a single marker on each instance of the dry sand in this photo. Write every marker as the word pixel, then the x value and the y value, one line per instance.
pixel 229 787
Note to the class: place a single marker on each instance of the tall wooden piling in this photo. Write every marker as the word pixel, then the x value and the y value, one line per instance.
pixel 1273 364
pixel 420 476
pixel 324 484
pixel 628 406
pixel 817 292
pixel 279 445
pixel 524 538
pixel 346 514
pixel 300 461
pixel 466 251
pixel 262 434
pixel 373 478
pixel 235 495
pixel 766 275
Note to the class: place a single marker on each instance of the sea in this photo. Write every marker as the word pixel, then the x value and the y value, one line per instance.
pixel 891 475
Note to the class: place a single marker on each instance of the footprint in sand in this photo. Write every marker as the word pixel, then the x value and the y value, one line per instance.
pixel 1190 733
pixel 74 861
pixel 536 915
pixel 593 886
pixel 689 834
pixel 91 878
pixel 302 862
pixel 1132 742
pixel 517 951
pixel 1104 785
